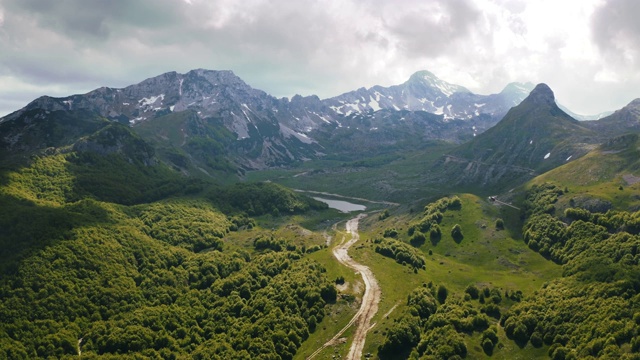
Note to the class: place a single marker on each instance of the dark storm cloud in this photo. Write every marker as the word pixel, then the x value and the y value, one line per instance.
pixel 616 30
pixel 97 20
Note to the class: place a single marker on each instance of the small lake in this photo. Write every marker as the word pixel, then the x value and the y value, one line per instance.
pixel 341 205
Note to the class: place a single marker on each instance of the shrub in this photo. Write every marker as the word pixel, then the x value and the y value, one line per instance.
pixel 417 239
pixel 456 233
pixel 442 294
pixel 473 291
pixel 390 233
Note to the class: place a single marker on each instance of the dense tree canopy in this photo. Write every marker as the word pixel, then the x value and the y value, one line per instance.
pixel 145 279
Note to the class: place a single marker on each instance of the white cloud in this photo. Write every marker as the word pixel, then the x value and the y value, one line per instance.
pixel 328 47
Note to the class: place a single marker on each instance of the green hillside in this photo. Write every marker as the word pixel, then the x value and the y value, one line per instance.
pixel 197 147
pixel 609 174
pixel 108 253
pixel 485 258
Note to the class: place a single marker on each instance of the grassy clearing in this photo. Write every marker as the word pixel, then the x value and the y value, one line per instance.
pixel 504 350
pixel 607 174
pixel 485 257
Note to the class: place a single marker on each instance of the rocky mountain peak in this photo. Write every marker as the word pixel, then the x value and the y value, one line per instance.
pixel 427 78
pixel 541 95
pixel 634 104
pixel 423 75
pixel 215 77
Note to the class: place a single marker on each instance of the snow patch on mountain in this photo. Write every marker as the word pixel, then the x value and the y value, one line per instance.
pixel 288 132
pixel 151 100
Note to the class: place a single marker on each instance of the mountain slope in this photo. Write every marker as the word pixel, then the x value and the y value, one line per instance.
pixel 266 129
pixel 609 175
pixel 621 121
pixel 533 137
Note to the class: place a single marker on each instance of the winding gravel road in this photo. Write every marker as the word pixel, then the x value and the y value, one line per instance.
pixel 370 299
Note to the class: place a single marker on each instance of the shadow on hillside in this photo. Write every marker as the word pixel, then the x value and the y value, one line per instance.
pixel 114 178
pixel 26 227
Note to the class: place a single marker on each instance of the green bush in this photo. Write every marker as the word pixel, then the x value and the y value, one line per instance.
pixel 456 233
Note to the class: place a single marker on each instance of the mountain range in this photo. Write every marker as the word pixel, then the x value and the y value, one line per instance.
pixel 209 122
pixel 270 132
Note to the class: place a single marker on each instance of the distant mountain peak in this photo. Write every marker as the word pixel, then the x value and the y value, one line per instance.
pixel 518 87
pixel 635 103
pixel 423 75
pixel 542 94
pixel 428 78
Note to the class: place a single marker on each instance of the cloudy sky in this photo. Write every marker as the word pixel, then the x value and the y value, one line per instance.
pixel 588 51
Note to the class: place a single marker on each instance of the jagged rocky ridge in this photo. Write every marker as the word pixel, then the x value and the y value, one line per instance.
pixel 215 113
pixel 426 92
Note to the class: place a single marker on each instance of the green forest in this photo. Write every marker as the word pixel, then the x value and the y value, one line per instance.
pixel 117 260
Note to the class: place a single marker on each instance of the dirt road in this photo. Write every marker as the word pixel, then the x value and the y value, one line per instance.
pixel 370 299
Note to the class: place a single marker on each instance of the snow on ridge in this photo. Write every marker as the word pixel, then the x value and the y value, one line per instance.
pixel 374 104
pixel 151 100
pixel 135 120
pixel 172 107
pixel 245 115
pixel 547 156
pixel 569 158
pixel 438 110
pixel 445 89
pixel 288 132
